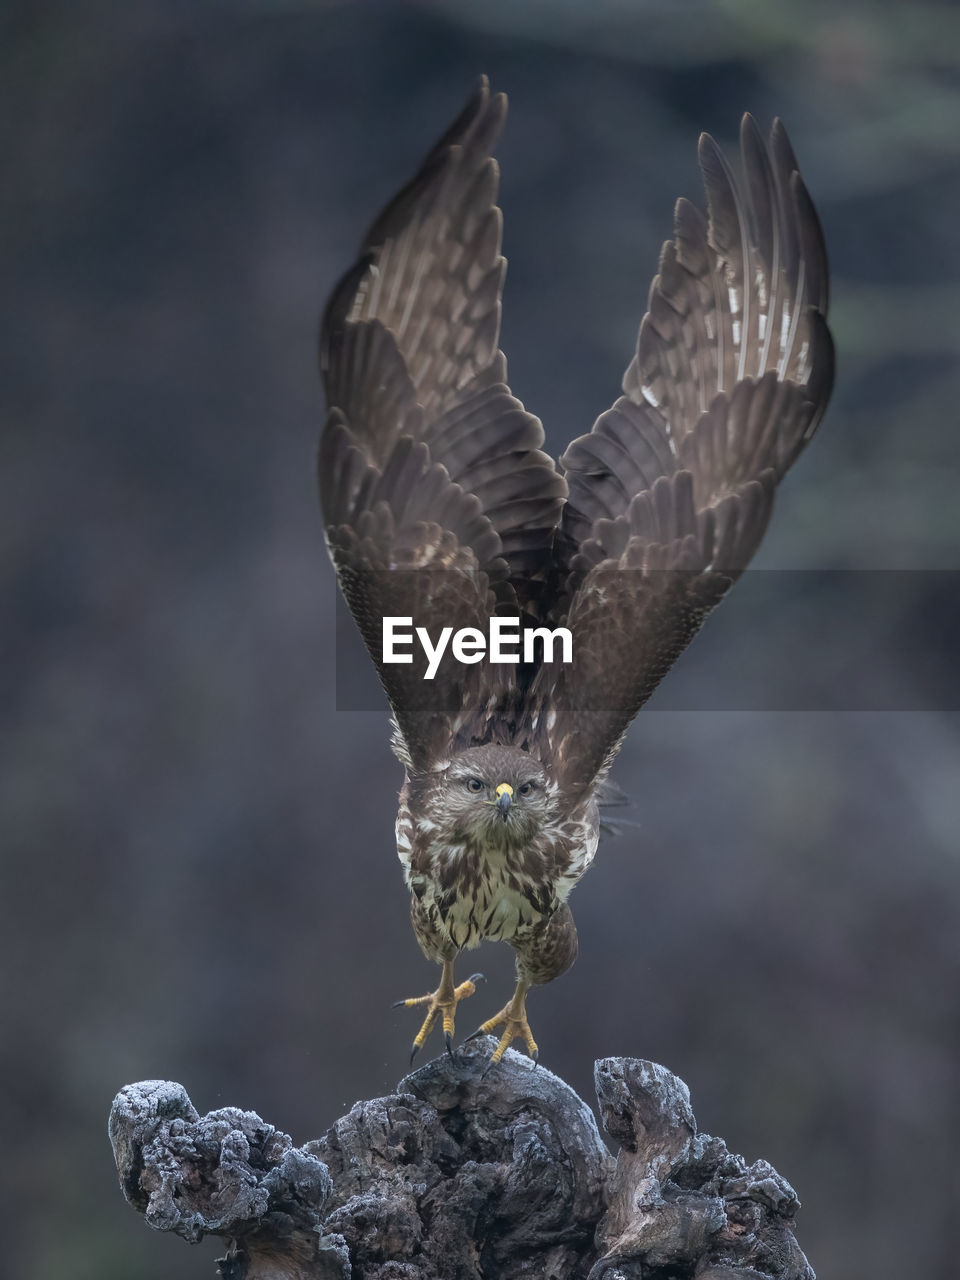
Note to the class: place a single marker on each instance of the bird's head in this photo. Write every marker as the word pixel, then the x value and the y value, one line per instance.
pixel 496 793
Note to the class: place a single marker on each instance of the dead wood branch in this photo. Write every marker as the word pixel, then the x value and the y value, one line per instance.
pixel 464 1174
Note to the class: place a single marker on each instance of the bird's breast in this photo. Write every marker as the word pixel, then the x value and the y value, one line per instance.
pixel 483 894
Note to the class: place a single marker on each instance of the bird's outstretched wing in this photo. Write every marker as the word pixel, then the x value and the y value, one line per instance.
pixel 438 502
pixel 671 491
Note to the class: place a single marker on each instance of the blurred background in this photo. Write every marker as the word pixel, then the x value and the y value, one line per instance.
pixel 199 876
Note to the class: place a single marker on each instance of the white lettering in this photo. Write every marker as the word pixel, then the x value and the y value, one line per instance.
pixel 391 639
pixel 469 645
pixel 433 654
pixel 504 631
pixel 548 637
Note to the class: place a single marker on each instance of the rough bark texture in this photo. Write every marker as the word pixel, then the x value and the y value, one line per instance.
pixel 464 1173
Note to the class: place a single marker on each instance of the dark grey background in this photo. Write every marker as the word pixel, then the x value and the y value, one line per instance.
pixel 199 876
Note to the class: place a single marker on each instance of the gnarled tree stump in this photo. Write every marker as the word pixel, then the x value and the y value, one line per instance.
pixel 464 1174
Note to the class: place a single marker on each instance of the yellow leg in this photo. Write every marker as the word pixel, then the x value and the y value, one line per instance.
pixel 514 1016
pixel 441 1003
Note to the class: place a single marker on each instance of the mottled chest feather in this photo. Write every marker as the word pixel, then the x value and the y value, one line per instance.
pixel 470 890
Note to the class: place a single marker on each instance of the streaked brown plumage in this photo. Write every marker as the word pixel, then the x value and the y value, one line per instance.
pixel 440 505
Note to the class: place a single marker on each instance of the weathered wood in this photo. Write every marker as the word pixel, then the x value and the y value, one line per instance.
pixel 465 1173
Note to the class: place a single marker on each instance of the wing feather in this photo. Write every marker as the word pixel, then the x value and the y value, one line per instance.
pixel 440 504
pixel 672 490
pixel 438 500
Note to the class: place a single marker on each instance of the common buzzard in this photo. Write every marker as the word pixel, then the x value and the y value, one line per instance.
pixel 441 508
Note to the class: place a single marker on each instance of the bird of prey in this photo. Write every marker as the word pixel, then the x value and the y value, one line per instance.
pixel 440 507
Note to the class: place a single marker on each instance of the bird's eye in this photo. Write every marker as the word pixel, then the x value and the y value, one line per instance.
pixel 526 788
pixel 474 784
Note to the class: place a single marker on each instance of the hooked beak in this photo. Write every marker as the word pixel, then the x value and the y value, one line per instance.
pixel 504 799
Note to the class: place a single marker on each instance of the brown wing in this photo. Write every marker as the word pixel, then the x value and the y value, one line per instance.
pixel 671 491
pixel 437 499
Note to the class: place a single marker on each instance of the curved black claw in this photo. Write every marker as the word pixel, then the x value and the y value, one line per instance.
pixel 477 977
pixel 473 1036
pixel 413 1053
pixel 398 1004
pixel 448 1041
pixel 536 1059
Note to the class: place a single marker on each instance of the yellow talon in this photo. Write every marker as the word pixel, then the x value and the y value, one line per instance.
pixel 443 1002
pixel 514 1016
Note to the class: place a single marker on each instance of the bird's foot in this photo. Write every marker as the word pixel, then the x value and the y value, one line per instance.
pixel 513 1018
pixel 441 1004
